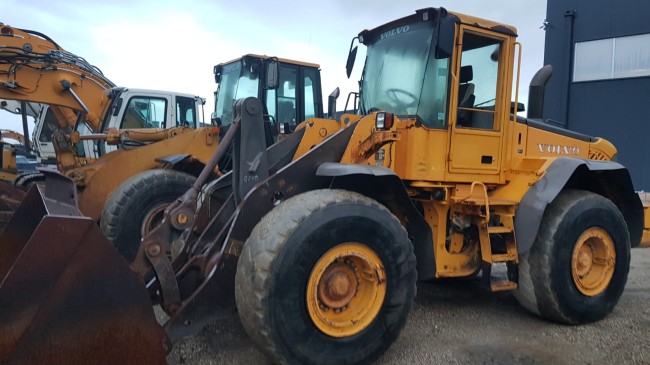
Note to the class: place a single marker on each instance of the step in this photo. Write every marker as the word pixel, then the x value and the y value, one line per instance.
pixel 499 229
pixel 500 276
pixel 503 286
pixel 503 257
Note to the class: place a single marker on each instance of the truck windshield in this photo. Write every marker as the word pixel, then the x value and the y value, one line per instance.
pixel 402 76
pixel 236 82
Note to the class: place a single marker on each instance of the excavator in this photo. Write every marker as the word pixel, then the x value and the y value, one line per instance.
pixel 78 96
pixel 319 239
pixel 83 106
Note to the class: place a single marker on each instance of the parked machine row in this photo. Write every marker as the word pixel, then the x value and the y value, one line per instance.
pixel 318 239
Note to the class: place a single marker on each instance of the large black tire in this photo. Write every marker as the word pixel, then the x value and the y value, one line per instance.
pixel 547 286
pixel 139 198
pixel 276 266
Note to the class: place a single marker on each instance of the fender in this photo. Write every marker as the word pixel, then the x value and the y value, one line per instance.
pixel 182 162
pixel 383 185
pixel 609 179
pixel 173 160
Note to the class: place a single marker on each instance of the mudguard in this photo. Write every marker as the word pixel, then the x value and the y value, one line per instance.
pixel 610 179
pixel 383 185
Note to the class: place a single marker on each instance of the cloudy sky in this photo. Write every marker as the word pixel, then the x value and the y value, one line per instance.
pixel 173 44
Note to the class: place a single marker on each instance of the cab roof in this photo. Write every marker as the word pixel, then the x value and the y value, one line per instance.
pixel 281 60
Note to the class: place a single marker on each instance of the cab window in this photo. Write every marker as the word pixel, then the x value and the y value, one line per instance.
pixel 185 112
pixel 310 92
pixel 287 96
pixel 144 112
pixel 478 80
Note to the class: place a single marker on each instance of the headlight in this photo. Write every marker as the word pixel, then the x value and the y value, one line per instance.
pixel 384 121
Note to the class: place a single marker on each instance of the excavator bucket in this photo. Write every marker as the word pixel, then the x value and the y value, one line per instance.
pixel 66 295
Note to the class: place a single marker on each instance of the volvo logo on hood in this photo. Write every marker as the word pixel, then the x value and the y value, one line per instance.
pixel 558 149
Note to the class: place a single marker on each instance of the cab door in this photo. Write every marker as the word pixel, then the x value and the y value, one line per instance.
pixel 480 103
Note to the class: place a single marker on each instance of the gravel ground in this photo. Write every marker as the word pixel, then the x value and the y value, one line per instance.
pixel 460 322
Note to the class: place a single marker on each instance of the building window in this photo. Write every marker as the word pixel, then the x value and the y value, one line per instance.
pixel 612 58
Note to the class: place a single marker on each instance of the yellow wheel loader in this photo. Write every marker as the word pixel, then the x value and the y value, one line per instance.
pixel 319 239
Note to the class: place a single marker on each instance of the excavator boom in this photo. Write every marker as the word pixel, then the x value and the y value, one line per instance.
pixel 34 68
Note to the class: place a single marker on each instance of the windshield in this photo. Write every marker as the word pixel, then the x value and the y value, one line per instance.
pixel 236 83
pixel 402 76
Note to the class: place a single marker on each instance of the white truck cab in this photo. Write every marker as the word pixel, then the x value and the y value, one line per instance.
pixel 128 109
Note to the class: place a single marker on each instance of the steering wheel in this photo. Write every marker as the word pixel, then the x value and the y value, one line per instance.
pixel 397 97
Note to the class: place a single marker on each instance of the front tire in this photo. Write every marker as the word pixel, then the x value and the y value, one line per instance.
pixel 577 268
pixel 137 206
pixel 327 277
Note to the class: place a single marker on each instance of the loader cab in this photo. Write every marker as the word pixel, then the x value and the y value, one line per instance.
pixel 290 90
pixel 452 74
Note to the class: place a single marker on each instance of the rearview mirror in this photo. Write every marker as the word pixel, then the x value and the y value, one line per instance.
pixel 272 80
pixel 446 35
pixel 352 56
pixel 217 73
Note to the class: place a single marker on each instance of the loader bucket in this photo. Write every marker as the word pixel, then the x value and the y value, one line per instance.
pixel 66 295
pixel 10 198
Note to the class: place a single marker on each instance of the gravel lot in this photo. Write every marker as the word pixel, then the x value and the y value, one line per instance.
pixel 459 322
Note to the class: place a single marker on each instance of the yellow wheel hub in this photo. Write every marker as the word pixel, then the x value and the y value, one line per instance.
pixel 593 260
pixel 346 289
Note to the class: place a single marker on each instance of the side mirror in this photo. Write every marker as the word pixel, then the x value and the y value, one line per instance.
pixel 446 35
pixel 272 79
pixel 352 56
pixel 217 73
pixel 331 103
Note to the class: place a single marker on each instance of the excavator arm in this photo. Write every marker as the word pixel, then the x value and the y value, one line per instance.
pixel 35 68
pixel 7 133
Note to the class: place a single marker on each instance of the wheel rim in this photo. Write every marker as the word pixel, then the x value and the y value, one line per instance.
pixel 592 264
pixel 346 289
pixel 153 218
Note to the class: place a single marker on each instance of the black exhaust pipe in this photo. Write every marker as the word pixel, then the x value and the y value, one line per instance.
pixel 536 92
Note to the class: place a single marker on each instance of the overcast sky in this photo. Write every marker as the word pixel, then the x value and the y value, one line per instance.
pixel 173 44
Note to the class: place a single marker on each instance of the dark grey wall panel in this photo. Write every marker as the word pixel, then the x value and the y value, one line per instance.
pixel 618 110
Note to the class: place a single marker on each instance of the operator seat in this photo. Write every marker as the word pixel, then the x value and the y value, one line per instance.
pixel 466 96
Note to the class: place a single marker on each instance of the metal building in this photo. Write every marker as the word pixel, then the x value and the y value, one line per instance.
pixel 600 53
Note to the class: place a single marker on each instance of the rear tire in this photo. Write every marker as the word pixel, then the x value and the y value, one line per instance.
pixel 577 268
pixel 137 206
pixel 291 267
